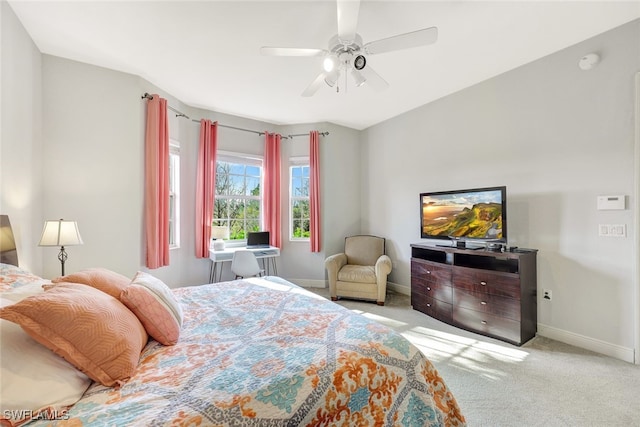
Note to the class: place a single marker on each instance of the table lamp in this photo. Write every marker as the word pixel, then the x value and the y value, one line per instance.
pixel 60 233
pixel 220 233
pixel 8 252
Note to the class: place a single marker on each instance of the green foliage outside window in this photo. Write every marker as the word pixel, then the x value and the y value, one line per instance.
pixel 238 198
pixel 300 211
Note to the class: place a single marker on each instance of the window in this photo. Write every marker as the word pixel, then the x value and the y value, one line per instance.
pixel 174 194
pixel 299 212
pixel 238 201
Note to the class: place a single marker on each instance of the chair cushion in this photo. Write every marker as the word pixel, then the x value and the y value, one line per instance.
pixel 363 250
pixel 357 273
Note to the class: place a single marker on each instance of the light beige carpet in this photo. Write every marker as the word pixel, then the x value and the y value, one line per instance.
pixel 543 383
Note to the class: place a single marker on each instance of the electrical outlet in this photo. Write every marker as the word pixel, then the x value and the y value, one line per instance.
pixel 546 294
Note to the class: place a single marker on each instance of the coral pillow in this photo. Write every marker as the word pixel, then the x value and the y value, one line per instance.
pixel 107 281
pixel 90 329
pixel 156 307
pixel 32 378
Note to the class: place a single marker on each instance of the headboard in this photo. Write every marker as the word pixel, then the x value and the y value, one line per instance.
pixel 8 251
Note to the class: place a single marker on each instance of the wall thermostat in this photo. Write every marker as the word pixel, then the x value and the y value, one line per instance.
pixel 615 202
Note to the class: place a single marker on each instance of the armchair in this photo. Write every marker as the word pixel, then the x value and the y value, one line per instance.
pixel 361 270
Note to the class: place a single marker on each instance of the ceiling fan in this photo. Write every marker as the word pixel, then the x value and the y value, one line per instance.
pixel 348 54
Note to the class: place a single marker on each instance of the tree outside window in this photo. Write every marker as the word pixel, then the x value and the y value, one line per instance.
pixel 238 199
pixel 299 199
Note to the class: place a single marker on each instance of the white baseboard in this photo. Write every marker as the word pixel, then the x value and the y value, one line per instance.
pixel 311 283
pixel 308 283
pixel 612 350
pixel 401 289
pixel 598 346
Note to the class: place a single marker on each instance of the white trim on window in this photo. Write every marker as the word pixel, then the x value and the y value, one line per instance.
pixel 174 194
pixel 300 163
pixel 248 160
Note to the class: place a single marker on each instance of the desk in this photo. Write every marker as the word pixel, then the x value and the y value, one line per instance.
pixel 266 255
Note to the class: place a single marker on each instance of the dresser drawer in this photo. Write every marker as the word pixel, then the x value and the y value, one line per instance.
pixel 432 290
pixel 488 303
pixel 430 272
pixel 432 307
pixel 487 324
pixel 490 282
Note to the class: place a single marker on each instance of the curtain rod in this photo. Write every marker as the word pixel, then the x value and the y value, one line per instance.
pixel 181 114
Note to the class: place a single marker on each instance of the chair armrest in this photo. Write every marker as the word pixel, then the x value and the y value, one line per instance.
pixel 334 263
pixel 383 266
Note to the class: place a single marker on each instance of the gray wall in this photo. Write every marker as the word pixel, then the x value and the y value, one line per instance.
pixel 21 171
pixel 557 137
pixel 73 139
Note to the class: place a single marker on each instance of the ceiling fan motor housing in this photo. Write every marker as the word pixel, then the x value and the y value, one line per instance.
pixel 347 52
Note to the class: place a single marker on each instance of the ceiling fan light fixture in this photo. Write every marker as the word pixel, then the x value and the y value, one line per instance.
pixel 359 62
pixel 331 78
pixel 358 78
pixel 329 63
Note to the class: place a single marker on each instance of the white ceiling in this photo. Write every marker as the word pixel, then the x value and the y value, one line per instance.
pixel 206 53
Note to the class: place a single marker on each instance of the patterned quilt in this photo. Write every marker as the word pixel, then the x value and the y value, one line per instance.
pixel 265 352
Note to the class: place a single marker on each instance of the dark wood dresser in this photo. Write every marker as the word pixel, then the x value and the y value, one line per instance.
pixel 487 292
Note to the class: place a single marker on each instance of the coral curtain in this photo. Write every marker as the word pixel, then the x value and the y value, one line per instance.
pixel 314 190
pixel 205 185
pixel 272 210
pixel 156 183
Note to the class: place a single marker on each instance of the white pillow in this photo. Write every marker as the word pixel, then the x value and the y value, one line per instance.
pixel 33 377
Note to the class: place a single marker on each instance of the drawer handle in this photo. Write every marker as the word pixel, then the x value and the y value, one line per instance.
pixel 484 322
pixel 483 283
pixel 483 303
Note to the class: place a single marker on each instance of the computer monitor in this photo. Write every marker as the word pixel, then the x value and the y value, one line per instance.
pixel 258 239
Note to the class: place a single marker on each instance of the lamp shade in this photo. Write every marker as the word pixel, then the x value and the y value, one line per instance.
pixel 7 242
pixel 8 251
pixel 60 233
pixel 219 232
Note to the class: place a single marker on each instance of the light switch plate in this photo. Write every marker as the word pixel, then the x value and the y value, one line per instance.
pixel 612 230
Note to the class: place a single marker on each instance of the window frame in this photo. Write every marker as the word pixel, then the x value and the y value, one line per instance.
pixel 298 162
pixel 174 194
pixel 246 160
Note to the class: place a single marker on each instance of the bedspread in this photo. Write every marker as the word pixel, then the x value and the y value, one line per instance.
pixel 265 352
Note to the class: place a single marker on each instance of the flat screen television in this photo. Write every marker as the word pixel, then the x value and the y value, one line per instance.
pixel 475 214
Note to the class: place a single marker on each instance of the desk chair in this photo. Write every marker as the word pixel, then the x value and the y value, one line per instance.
pixel 245 264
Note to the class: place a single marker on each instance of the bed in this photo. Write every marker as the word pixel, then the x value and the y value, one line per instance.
pixel 253 352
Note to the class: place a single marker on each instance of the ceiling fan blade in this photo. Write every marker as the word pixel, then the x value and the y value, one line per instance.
pixel 348 19
pixel 314 86
pixel 403 41
pixel 291 51
pixel 373 79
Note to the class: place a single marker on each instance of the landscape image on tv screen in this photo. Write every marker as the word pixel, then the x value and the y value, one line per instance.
pixel 463 214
